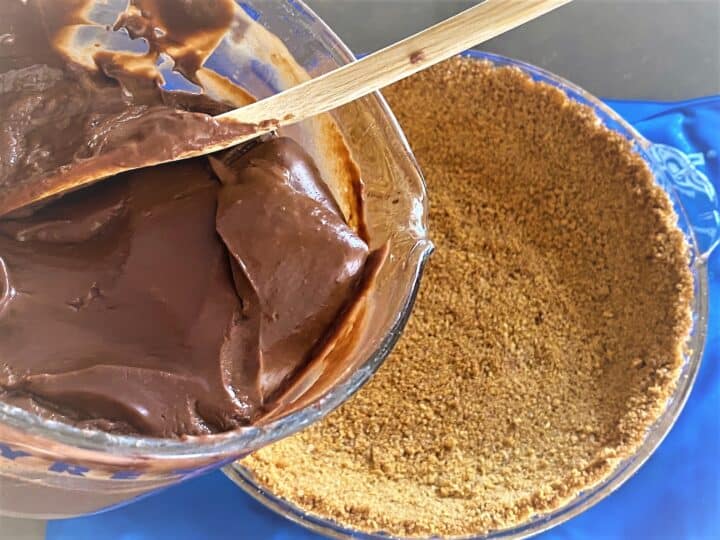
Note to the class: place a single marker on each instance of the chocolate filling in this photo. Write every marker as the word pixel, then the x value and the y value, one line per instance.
pixel 173 300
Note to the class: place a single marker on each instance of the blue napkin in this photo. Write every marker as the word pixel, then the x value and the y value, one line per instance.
pixel 675 495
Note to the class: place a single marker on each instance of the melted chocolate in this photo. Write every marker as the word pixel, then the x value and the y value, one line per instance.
pixel 187 31
pixel 64 123
pixel 175 300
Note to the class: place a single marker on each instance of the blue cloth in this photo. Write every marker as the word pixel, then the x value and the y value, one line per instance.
pixel 675 495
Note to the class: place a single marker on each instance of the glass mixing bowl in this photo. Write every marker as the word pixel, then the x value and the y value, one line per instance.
pixel 50 469
pixel 696 204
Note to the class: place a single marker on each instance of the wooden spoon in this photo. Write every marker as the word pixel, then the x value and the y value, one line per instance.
pixel 319 95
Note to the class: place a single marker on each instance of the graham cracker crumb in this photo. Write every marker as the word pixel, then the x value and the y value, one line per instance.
pixel 547 336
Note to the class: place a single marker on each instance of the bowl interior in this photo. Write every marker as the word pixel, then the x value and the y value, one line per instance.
pixel 284 45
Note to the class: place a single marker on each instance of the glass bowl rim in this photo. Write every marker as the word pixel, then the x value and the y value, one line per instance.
pixel 621 471
pixel 239 441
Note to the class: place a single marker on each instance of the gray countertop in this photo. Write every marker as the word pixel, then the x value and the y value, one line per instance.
pixel 643 49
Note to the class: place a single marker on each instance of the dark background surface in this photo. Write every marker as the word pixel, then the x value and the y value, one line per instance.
pixel 645 49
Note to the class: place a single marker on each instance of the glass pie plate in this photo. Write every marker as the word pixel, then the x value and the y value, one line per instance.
pixel 696 204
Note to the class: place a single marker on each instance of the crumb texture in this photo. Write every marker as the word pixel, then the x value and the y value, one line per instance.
pixel 547 336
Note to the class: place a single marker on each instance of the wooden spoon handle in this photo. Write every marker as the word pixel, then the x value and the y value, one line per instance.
pixel 325 93
pixel 389 65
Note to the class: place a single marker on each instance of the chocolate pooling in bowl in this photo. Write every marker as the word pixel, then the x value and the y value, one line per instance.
pixel 175 300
